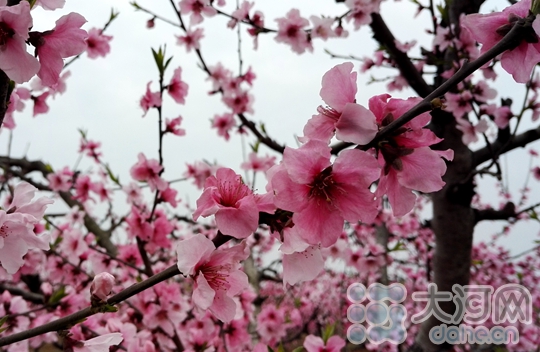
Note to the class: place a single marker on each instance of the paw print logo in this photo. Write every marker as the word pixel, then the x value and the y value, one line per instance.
pixel 384 316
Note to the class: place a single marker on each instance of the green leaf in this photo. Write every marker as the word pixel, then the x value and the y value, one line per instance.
pixel 328 332
pixel 107 308
pixel 114 15
pixel 533 215
pixel 477 262
pixel 49 168
pixel 400 246
pixel 82 132
pixel 113 178
pixel 269 349
pixel 255 147
pixel 535 7
pixel 159 58
pixel 298 349
pixel 3 320
pixel 57 295
pixel 135 5
pixel 280 347
pixel 32 3
pixel 167 63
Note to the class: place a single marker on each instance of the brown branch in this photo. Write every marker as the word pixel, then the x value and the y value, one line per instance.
pixel 506 43
pixel 103 237
pixel 499 147
pixel 507 212
pixel 76 317
pixel 382 34
pixel 27 295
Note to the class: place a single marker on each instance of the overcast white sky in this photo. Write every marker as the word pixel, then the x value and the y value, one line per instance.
pixel 103 94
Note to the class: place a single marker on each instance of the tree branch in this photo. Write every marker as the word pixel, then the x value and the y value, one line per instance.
pixel 103 237
pixel 382 34
pixel 482 155
pixel 507 212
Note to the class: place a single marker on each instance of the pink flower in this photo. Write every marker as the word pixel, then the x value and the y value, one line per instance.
pixel 361 11
pixel 169 195
pixel 216 273
pixel 192 39
pixel 238 100
pixel 177 88
pixel 150 100
pixel 242 13
pixel 351 122
pixel 61 181
pixel 301 261
pixel 224 123
pixel 470 132
pixel 322 27
pixel 91 148
pixel 290 31
pixel 51 4
pixel 314 343
pixel 257 163
pixel 83 186
pixel 97 43
pixel 233 203
pixel 40 104
pixel 536 172
pixel 459 104
pixel 173 126
pixel 197 8
pixel 17 227
pixel 102 286
pixel 323 195
pixel 407 161
pixel 18 64
pixel 148 171
pixel 489 30
pixel 65 40
pixel 100 343
pixel 200 171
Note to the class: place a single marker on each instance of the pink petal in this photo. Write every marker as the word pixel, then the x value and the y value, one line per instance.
pixel 401 198
pixel 239 222
pixel 302 266
pixel 223 307
pixel 422 170
pixel 238 282
pixel 313 343
pixel 18 65
pixel 193 251
pixel 203 295
pixel 339 86
pixel 335 344
pixel 304 163
pixel 319 127
pixel 356 125
pixel 319 223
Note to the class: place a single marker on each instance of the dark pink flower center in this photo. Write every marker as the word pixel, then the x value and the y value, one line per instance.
pixel 329 112
pixel 323 185
pixel 217 276
pixel 292 31
pixel 232 192
pixel 6 33
pixel 4 231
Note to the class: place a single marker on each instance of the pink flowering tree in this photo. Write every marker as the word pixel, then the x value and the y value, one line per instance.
pixel 384 188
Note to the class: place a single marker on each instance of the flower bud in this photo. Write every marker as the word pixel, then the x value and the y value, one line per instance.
pixel 101 286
